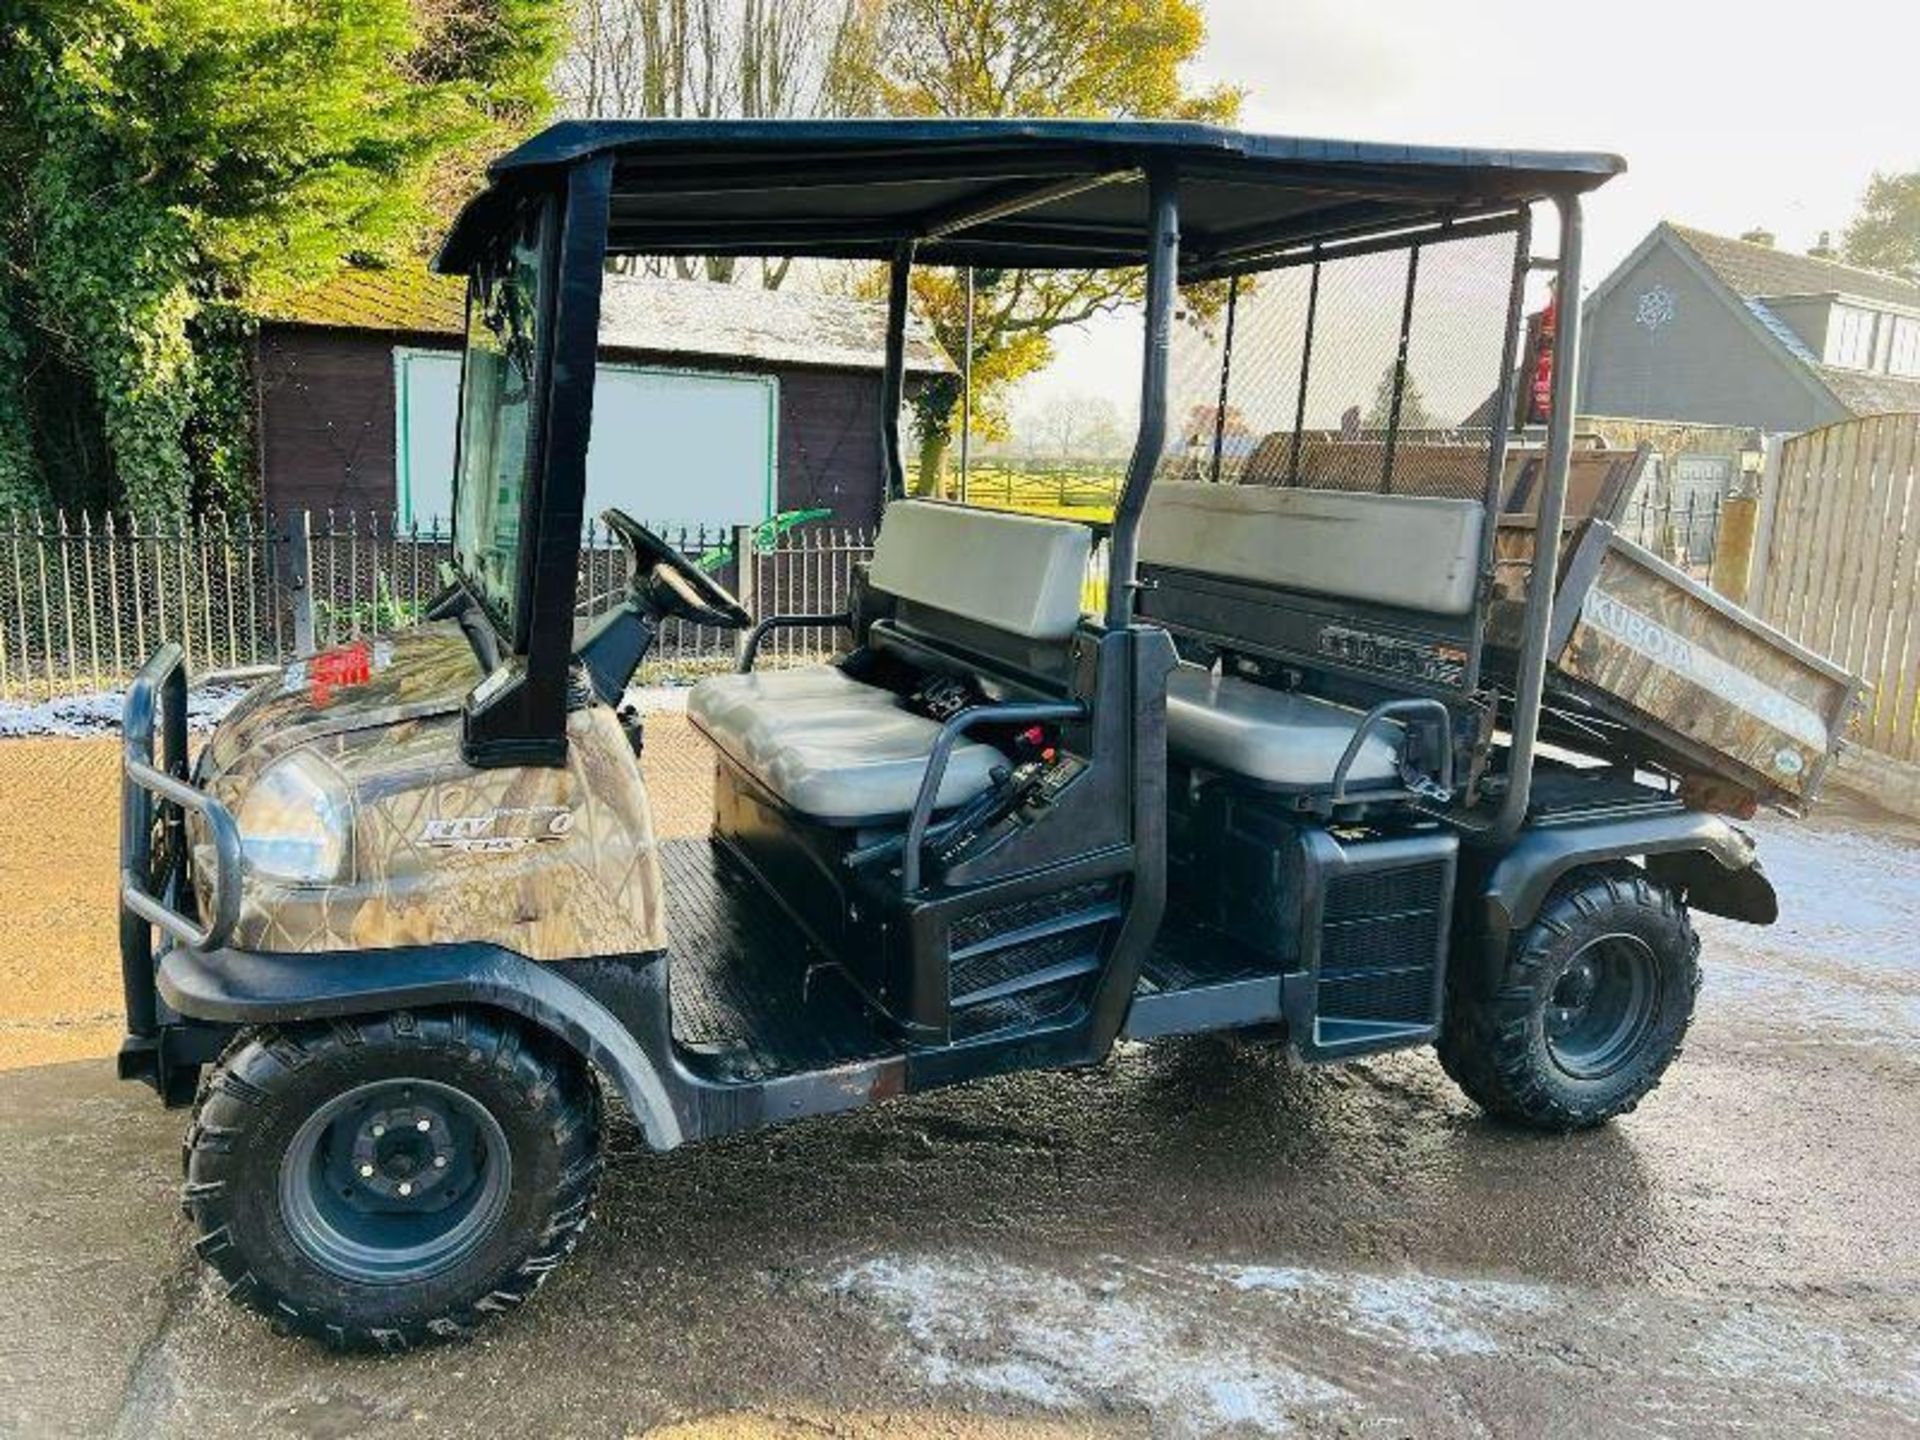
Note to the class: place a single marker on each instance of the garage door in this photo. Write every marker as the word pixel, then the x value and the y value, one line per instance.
pixel 670 447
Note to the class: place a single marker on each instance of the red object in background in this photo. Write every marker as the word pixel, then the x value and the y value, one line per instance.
pixel 1540 380
pixel 332 669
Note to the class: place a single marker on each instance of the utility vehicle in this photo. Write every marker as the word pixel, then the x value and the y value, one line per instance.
pixel 1350 756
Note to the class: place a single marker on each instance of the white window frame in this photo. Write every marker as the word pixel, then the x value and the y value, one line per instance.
pixel 1850 338
pixel 1903 355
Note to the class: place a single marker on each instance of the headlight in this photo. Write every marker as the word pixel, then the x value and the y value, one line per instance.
pixel 295 821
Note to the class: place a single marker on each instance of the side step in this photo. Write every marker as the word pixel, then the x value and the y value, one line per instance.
pixel 1023 963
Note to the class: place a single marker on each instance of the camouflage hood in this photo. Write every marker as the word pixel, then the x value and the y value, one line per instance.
pixel 368 683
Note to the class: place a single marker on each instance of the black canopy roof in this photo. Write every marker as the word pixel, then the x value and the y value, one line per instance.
pixel 1064 193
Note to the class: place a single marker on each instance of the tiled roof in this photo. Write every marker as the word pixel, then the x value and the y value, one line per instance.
pixel 639 313
pixel 1760 270
pixel 1866 393
pixel 409 299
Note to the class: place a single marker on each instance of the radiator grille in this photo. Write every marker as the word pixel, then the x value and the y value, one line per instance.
pixel 1380 942
pixel 1374 893
pixel 1388 996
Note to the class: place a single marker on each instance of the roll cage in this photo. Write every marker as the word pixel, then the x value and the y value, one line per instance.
pixel 1185 203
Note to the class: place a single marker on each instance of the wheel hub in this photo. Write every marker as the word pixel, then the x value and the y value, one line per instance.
pixel 1602 1007
pixel 395 1180
pixel 398 1154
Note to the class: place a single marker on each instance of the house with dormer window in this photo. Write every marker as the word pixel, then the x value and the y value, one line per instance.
pixel 1699 328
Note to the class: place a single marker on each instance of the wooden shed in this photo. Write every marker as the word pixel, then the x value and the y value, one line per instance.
pixel 714 404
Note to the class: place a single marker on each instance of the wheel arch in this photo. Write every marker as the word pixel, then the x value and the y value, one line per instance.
pixel 242 987
pixel 1714 863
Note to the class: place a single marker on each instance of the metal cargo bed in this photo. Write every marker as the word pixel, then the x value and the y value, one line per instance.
pixel 1648 666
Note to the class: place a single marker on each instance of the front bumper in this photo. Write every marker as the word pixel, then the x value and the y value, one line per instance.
pixel 157 887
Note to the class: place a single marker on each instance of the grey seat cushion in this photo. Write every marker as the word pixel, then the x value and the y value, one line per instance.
pixel 1275 737
pixel 830 747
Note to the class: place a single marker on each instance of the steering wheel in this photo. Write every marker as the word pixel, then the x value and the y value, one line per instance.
pixel 673 583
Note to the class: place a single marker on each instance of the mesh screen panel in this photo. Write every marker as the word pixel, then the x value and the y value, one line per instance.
pixel 1378 372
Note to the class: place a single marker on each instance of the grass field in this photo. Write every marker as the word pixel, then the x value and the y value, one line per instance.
pixel 1070 489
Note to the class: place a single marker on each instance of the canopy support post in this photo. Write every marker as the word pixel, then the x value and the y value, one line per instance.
pixel 893 378
pixel 1530 683
pixel 1163 274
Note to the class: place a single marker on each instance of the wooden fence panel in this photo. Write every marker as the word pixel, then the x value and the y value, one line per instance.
pixel 1843 565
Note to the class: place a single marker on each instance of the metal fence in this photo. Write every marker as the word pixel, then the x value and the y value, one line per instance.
pixel 85 599
pixel 1683 530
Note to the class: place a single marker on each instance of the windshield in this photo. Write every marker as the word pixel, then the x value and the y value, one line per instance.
pixel 498 394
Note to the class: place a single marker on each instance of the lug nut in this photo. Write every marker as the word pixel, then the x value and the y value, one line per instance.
pixel 423 1125
pixel 439 1162
pixel 378 1131
pixel 406 1189
pixel 366 1172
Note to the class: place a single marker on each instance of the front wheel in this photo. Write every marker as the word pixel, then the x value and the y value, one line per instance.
pixel 1589 1010
pixel 386 1180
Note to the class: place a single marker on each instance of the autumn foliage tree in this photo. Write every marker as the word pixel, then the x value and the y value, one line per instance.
pixel 1047 58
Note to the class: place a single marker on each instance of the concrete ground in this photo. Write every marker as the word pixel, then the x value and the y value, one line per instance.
pixel 1193 1239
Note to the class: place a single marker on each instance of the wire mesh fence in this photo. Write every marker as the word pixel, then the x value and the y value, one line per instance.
pixel 85 599
pixel 1682 529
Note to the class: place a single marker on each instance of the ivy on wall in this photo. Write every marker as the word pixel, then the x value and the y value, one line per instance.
pixel 168 165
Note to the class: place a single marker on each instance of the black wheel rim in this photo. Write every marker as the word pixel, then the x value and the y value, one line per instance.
pixel 1603 1007
pixel 394 1181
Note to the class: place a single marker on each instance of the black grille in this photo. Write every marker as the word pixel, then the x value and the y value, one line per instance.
pixel 1022 1011
pixel 1382 944
pixel 1374 893
pixel 999 967
pixel 972 929
pixel 1398 996
pixel 1379 943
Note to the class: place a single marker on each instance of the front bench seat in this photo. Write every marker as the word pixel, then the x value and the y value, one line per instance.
pixel 835 750
pixel 1278 738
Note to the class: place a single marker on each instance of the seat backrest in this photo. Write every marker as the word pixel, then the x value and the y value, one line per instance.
pixel 1408 552
pixel 1018 573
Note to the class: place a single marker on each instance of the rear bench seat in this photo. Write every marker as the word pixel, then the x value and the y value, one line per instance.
pixel 1411 553
pixel 1273 737
pixel 841 752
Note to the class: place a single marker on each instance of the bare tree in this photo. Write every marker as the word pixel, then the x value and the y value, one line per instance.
pixel 714 59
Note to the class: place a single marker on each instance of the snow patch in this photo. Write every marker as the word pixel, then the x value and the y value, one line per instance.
pixel 98 713
pixel 1055 1342
pixel 1409 1312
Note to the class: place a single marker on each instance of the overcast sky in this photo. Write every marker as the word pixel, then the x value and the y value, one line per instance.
pixel 1730 115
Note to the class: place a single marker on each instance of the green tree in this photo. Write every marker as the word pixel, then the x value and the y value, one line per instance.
pixel 1414 414
pixel 1885 235
pixel 1061 58
pixel 165 162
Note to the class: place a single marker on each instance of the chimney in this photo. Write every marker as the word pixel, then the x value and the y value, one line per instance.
pixel 1824 250
pixel 1758 236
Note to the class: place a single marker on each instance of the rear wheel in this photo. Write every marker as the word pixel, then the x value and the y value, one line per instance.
pixel 386 1180
pixel 1589 1010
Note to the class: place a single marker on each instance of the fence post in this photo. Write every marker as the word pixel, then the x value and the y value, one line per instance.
pixel 745 571
pixel 300 579
pixel 1775 448
pixel 1733 550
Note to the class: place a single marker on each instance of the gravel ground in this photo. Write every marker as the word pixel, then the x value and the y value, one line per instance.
pixel 1193 1239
